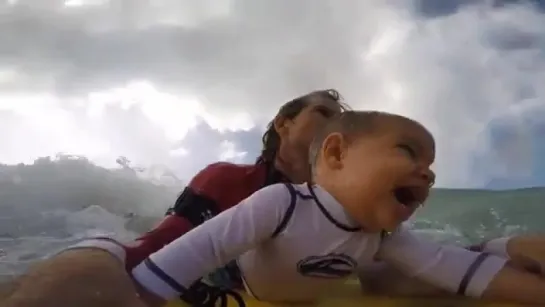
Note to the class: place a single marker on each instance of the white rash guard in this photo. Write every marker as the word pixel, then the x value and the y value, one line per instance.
pixel 316 243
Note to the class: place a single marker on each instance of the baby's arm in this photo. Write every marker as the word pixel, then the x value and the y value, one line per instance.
pixel 459 270
pixel 170 271
pixel 526 252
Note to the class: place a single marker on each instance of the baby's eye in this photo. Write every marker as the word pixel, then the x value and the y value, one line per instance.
pixel 408 149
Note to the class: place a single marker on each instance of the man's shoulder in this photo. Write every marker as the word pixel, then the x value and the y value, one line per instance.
pixel 229 170
pixel 228 166
pixel 225 172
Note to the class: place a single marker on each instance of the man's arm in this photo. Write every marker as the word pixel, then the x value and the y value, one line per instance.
pixel 83 278
pixel 98 263
pixel 168 273
pixel 461 271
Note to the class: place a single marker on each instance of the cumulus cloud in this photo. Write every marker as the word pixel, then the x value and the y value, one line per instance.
pixel 183 83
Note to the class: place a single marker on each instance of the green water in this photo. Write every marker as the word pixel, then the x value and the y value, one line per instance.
pixel 474 214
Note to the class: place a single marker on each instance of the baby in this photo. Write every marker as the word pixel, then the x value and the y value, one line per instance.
pixel 371 171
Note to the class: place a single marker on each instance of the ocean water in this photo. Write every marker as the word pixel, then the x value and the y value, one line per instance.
pixel 54 203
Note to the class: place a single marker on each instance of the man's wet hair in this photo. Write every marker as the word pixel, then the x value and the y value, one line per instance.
pixel 290 110
pixel 352 125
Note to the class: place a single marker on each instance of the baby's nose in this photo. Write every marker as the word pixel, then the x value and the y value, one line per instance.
pixel 427 175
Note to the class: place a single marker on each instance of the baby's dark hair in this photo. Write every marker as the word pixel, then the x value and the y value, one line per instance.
pixel 351 124
pixel 292 108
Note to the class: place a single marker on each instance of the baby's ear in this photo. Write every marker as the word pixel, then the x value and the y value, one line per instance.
pixel 333 150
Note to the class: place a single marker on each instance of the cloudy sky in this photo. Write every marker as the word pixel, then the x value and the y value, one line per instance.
pixel 182 83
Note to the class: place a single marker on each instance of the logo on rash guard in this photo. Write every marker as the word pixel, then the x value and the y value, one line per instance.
pixel 328 266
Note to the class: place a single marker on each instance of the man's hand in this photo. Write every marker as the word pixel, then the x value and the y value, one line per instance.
pixel 82 278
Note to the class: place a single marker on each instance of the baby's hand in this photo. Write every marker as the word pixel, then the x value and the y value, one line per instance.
pixel 516 286
pixel 526 252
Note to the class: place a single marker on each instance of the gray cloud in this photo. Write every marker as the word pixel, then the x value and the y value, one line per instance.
pixel 455 67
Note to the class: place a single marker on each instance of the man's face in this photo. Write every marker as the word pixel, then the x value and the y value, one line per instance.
pixel 306 124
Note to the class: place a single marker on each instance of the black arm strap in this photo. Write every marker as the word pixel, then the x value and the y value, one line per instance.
pixel 196 208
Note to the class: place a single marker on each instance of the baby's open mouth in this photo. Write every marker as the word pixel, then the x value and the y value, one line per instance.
pixel 409 196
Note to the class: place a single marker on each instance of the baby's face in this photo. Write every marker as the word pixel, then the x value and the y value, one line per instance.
pixel 385 176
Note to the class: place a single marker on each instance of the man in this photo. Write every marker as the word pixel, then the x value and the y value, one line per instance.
pixel 94 272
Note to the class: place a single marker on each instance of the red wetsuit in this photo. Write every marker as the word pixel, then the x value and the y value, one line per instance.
pixel 216 188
